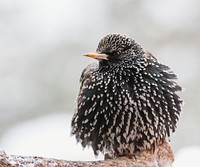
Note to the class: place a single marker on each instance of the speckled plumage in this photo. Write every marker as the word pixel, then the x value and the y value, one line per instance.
pixel 126 103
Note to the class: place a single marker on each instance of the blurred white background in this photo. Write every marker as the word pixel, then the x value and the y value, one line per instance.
pixel 41 48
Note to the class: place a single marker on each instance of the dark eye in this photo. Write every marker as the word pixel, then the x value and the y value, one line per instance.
pixel 126 47
pixel 112 54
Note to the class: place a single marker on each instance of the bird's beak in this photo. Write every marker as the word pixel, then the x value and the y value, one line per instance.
pixel 99 56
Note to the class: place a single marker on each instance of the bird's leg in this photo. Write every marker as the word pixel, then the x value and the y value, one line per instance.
pixel 125 154
pixel 109 155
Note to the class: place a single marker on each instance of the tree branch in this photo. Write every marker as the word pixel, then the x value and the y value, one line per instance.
pixel 162 157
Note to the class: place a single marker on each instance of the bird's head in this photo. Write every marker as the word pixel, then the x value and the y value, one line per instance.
pixel 115 48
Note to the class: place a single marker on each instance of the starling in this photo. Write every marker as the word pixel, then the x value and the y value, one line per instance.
pixel 127 100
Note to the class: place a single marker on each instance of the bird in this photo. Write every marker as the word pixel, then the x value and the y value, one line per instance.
pixel 128 101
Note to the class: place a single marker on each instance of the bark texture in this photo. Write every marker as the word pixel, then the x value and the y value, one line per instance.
pixel 162 157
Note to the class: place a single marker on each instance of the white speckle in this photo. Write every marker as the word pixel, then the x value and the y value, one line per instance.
pixel 101 102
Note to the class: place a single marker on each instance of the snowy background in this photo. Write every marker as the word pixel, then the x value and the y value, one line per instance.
pixel 41 48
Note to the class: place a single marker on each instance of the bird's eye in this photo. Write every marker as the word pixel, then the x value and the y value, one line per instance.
pixel 114 53
pixel 126 47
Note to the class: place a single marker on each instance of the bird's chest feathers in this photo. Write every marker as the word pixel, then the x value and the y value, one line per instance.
pixel 112 89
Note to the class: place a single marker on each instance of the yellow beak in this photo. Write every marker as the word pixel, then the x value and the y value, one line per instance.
pixel 99 56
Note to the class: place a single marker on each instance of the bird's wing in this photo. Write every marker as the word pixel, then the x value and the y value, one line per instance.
pixel 163 91
pixel 86 76
pixel 83 116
